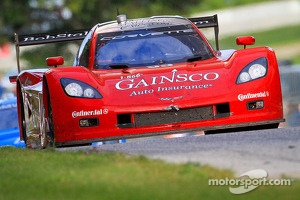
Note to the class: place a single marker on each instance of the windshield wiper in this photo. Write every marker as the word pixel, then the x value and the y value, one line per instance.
pixel 194 58
pixel 118 66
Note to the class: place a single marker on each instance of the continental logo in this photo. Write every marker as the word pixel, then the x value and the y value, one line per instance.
pixel 84 113
pixel 243 97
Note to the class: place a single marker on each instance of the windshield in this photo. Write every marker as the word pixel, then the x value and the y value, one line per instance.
pixel 164 45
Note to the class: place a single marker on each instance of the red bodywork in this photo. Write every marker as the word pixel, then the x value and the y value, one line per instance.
pixel 144 101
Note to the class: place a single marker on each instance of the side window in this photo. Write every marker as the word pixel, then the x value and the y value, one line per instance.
pixel 82 58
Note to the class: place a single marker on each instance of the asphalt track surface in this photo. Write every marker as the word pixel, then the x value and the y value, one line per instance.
pixel 276 150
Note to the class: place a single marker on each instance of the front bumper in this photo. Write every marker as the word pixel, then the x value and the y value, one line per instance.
pixel 220 127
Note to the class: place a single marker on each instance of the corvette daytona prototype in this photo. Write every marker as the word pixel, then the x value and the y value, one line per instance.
pixel 143 77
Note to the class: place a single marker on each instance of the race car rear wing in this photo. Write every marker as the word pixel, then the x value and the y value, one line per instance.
pixel 44 38
pixel 208 22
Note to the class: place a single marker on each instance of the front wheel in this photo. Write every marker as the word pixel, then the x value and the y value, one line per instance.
pixel 23 120
pixel 47 130
pixel 50 133
pixel 46 137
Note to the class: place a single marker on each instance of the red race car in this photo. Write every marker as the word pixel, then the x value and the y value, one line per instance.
pixel 144 77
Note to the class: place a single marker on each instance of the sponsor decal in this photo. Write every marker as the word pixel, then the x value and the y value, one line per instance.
pixel 243 97
pixel 151 34
pixel 54 37
pixel 131 76
pixel 8 106
pixel 201 22
pixel 84 113
pixel 170 98
pixel 133 83
pixel 139 85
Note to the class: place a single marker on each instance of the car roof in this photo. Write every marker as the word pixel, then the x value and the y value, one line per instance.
pixel 125 24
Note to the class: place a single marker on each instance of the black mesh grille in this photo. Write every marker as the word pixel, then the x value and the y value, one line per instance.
pixel 173 116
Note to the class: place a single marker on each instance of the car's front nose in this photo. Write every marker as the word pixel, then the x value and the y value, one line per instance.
pixel 136 102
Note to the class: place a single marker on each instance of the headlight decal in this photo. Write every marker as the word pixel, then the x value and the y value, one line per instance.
pixel 75 88
pixel 254 70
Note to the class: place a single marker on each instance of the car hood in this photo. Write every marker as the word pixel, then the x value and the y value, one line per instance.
pixel 157 85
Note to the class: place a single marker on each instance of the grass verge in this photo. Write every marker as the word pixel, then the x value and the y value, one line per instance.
pixel 93 174
pixel 275 38
pixel 279 36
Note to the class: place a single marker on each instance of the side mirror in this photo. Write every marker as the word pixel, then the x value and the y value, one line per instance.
pixel 13 79
pixel 245 40
pixel 55 61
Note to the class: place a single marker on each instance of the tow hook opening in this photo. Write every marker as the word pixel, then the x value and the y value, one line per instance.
pixel 255 105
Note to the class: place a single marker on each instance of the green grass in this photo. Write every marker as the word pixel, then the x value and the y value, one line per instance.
pixel 93 174
pixel 278 37
pixel 296 59
pixel 205 5
pixel 275 37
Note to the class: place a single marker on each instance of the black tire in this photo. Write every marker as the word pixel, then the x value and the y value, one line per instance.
pixel 48 139
pixel 23 126
pixel 50 133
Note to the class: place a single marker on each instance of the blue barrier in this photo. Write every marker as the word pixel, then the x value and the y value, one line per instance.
pixel 8 113
pixel 10 137
pixel 9 131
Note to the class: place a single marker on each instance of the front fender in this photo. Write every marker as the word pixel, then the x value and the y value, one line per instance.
pixel 54 94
